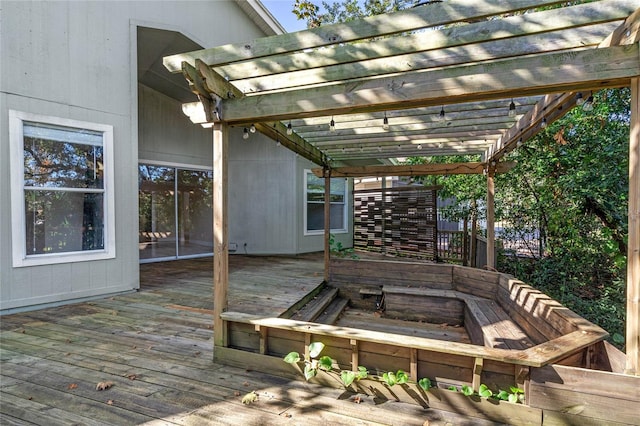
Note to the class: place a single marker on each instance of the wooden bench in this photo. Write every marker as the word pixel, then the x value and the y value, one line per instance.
pixel 489 325
pixel 485 321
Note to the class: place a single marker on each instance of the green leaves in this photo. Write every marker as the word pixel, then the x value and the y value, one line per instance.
pixel 399 377
pixel 347 377
pixel 292 357
pixel 484 391
pixel 425 384
pixel 315 348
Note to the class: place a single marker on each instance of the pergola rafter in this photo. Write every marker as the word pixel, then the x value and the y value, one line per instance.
pixel 468 60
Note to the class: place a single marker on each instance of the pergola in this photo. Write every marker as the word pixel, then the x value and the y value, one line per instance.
pixel 444 78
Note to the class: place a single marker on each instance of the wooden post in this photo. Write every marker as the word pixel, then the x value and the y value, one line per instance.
pixel 220 232
pixel 633 251
pixel 327 222
pixel 413 365
pixel 465 241
pixel 491 219
pixel 383 215
pixel 355 354
pixel 474 239
pixel 477 374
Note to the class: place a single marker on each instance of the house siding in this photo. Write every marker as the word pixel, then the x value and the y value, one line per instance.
pixel 77 60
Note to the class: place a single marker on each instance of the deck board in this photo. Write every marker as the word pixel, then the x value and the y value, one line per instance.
pixel 163 335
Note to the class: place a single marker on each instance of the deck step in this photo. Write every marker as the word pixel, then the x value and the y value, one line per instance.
pixel 316 306
pixel 333 311
pixel 293 309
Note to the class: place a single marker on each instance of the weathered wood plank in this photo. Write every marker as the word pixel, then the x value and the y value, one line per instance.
pixel 551 72
pixel 374 26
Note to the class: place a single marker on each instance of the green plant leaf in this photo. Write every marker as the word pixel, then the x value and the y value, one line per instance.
pixel 425 383
pixel 347 377
pixel 310 372
pixel 401 377
pixel 292 357
pixel 362 372
pixel 485 391
pixel 467 390
pixel 513 398
pixel 325 363
pixel 389 378
pixel 503 395
pixel 315 348
pixel 516 390
pixel 452 388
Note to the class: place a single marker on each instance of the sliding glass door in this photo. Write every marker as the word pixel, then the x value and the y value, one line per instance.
pixel 175 212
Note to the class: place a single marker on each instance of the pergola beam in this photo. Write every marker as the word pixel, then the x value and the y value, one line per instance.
pixel 415 170
pixel 538 74
pixel 593 20
pixel 430 15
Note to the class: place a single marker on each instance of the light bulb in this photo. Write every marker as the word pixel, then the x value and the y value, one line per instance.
pixel 543 124
pixel 332 125
pixel 512 109
pixel 252 129
pixel 385 122
pixel 579 99
pixel 289 129
pixel 245 133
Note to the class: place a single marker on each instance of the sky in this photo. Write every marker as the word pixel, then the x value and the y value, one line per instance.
pixel 281 10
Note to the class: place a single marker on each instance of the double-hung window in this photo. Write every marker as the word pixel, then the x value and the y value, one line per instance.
pixel 62 190
pixel 314 199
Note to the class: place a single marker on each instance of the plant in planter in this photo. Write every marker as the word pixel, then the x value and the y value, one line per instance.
pixel 312 363
pixel 514 395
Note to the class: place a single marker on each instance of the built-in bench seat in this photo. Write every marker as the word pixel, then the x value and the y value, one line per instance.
pixel 489 325
pixel 485 321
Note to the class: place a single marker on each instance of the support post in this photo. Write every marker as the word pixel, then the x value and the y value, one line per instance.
pixel 477 374
pixel 355 354
pixel 220 232
pixel 474 239
pixel 491 220
pixel 633 250
pixel 413 365
pixel 327 222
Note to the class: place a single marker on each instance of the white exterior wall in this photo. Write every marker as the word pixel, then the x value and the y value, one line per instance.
pixel 77 60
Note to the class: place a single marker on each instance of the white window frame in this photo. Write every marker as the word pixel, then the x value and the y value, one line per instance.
pixel 345 218
pixel 18 220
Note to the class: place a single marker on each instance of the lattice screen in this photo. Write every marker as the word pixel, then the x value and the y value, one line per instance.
pixel 400 221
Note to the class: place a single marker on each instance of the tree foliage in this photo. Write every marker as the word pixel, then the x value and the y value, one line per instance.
pixel 348 10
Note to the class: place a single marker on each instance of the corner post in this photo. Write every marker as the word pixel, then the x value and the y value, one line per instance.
pixel 633 250
pixel 327 222
pixel 220 232
pixel 491 219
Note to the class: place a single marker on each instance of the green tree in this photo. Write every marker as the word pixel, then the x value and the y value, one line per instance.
pixel 348 10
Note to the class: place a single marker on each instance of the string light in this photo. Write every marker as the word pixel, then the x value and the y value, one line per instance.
pixel 289 129
pixel 543 124
pixel 579 99
pixel 252 129
pixel 512 109
pixel 385 122
pixel 419 146
pixel 245 133
pixel 441 116
pixel 332 125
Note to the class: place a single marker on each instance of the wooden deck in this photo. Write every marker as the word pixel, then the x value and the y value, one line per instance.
pixel 155 349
